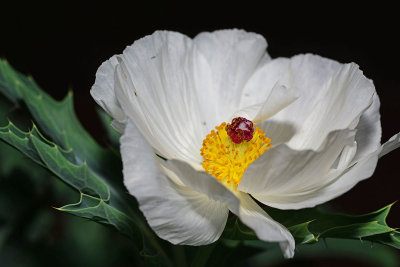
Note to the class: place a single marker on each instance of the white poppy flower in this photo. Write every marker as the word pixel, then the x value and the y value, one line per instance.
pixel 166 93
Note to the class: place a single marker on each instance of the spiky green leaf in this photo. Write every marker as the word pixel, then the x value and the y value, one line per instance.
pixel 310 225
pixel 74 157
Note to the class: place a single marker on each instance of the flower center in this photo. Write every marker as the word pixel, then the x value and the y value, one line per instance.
pixel 229 150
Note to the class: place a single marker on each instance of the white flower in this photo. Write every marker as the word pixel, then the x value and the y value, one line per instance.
pixel 166 92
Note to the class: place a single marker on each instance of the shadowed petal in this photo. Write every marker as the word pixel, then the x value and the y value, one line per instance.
pixel 341 181
pixel 332 96
pixel 233 56
pixel 369 130
pixel 282 170
pixel 264 226
pixel 104 94
pixel 239 203
pixel 175 212
pixel 280 97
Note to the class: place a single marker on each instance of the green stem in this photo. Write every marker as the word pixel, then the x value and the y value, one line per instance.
pixel 179 256
pixel 202 255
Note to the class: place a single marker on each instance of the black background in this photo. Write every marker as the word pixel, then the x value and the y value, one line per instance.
pixel 62 44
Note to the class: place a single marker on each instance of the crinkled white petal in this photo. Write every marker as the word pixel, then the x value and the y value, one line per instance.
pixel 175 212
pixel 160 82
pixel 282 170
pixel 103 92
pixel 233 56
pixel 341 181
pixel 369 130
pixel 240 204
pixel 279 97
pixel 345 97
pixel 332 96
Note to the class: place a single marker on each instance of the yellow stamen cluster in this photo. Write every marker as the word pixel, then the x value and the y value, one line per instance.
pixel 226 160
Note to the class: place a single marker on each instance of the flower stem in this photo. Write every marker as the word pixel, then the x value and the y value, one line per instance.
pixel 179 256
pixel 202 255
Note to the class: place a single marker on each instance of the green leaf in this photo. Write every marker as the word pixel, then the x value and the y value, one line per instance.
pixel 20 140
pixel 236 230
pixel 57 120
pixel 390 239
pixel 98 210
pixel 79 177
pixel 74 157
pixel 57 160
pixel 337 225
pixel 309 225
pixel 301 233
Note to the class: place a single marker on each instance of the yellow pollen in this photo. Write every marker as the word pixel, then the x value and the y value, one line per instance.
pixel 226 160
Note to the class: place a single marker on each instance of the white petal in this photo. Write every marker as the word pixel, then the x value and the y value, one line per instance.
pixel 343 181
pixel 282 170
pixel 389 146
pixel 369 130
pixel 363 169
pixel 118 126
pixel 279 97
pixel 174 212
pixel 264 226
pixel 269 74
pixel 202 182
pixel 103 91
pixel 233 56
pixel 347 95
pixel 160 82
pixel 346 157
pixel 278 131
pixel 332 96
pixel 244 207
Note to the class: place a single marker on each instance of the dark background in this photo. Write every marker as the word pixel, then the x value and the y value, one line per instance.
pixel 62 44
